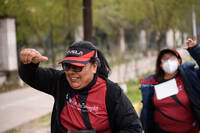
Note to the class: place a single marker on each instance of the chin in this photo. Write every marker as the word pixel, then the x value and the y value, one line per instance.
pixel 75 87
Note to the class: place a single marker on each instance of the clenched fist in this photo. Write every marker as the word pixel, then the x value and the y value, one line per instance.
pixel 29 55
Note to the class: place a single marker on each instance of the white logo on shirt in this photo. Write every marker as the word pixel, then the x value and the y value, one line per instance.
pixel 79 106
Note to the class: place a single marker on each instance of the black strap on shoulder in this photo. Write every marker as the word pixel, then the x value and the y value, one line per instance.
pixel 175 98
pixel 167 116
pixel 84 112
pixel 112 94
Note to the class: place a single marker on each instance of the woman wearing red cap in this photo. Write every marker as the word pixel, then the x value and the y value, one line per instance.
pixel 85 99
pixel 172 104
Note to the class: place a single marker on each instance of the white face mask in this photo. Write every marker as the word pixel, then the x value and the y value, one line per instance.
pixel 170 66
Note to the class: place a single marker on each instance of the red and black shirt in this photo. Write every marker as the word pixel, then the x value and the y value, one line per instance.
pixel 95 106
pixel 174 114
pixel 119 110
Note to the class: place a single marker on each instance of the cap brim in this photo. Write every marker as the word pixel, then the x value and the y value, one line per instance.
pixel 169 51
pixel 77 61
pixel 164 51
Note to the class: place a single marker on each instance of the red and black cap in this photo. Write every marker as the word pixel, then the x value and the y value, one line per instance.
pixel 168 50
pixel 80 53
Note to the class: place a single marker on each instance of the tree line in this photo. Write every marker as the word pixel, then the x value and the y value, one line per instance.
pixel 51 24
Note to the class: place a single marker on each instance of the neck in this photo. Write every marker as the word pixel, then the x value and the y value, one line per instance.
pixel 169 76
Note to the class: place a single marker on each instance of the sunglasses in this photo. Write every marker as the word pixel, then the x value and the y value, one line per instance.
pixel 66 67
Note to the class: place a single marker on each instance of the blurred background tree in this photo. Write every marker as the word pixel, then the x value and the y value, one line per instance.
pixel 46 24
pixel 50 25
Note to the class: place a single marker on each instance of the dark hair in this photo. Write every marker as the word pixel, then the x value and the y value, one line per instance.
pixel 159 73
pixel 103 66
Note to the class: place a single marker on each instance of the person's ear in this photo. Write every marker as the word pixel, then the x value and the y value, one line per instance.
pixel 99 63
pixel 94 67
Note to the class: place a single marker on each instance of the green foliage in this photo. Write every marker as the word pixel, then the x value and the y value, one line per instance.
pixel 161 14
pixel 37 19
pixel 134 93
pixel 50 22
pixel 105 15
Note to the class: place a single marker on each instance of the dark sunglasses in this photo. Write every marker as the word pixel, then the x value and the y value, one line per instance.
pixel 66 67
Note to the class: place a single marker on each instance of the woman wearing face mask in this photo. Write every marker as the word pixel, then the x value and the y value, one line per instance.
pixel 172 104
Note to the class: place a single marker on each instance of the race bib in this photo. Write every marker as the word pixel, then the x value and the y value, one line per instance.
pixel 166 89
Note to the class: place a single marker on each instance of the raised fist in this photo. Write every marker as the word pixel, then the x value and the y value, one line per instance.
pixel 29 55
pixel 191 43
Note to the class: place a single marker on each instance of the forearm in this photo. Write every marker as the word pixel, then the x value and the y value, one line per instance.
pixel 42 79
pixel 27 73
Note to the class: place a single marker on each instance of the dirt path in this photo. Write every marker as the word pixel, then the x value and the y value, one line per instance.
pixel 40 125
pixel 21 106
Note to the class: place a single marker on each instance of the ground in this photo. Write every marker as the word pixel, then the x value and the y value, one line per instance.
pixel 41 125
